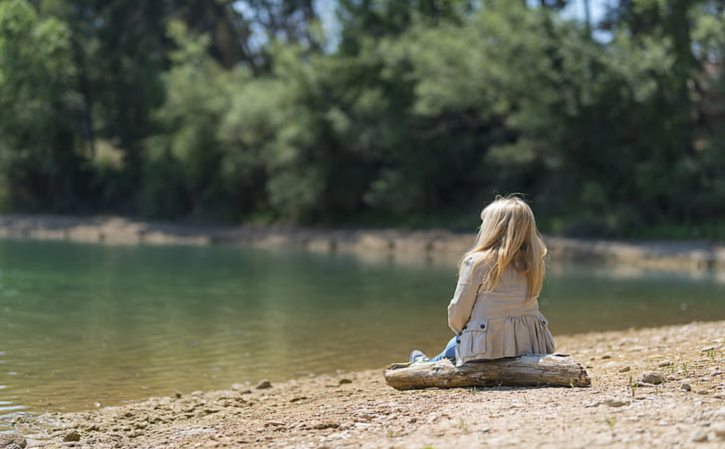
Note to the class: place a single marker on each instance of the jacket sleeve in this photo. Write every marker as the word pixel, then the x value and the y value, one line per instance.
pixel 460 307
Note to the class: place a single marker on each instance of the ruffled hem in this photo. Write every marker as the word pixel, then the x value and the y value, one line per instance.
pixel 504 337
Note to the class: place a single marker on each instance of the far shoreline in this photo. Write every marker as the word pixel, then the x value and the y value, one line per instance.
pixel 697 255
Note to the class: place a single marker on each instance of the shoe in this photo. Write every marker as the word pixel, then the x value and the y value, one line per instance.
pixel 417 356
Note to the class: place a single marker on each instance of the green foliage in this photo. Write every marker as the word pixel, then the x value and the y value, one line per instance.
pixel 39 164
pixel 421 114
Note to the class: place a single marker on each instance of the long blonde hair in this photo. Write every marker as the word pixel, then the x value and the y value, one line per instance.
pixel 508 236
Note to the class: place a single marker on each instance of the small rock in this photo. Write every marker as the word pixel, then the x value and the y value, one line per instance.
pixel 612 402
pixel 298 398
pixel 72 436
pixel 708 349
pixel 664 363
pixel 719 431
pixel 698 436
pixel 177 395
pixel 719 395
pixel 652 377
pixel 345 381
pixel 12 441
pixel 685 387
pixel 412 420
pixel 326 425
pixel 624 369
pixel 606 356
pixel 264 384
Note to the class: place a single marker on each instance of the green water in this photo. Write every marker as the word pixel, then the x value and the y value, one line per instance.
pixel 87 324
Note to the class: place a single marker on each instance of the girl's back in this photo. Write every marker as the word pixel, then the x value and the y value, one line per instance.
pixel 503 322
pixel 494 311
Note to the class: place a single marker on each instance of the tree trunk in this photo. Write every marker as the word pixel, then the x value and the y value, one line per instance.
pixel 531 370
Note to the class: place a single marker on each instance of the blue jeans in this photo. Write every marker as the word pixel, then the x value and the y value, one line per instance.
pixel 448 353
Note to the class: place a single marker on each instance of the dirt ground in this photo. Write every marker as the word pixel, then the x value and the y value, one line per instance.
pixel 358 410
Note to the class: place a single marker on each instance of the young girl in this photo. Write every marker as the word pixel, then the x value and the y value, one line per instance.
pixel 494 311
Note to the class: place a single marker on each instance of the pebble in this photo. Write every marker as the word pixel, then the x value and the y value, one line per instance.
pixel 698 436
pixel 612 402
pixel 264 384
pixel 685 387
pixel 707 349
pixel 664 363
pixel 652 377
pixel 345 381
pixel 12 441
pixel 326 425
pixel 719 431
pixel 624 369
pixel 72 436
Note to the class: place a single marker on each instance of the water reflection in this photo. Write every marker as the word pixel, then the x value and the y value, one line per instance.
pixel 91 324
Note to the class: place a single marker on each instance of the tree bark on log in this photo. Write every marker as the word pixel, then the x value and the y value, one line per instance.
pixel 531 370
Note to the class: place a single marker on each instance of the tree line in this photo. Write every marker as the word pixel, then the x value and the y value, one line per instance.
pixel 411 112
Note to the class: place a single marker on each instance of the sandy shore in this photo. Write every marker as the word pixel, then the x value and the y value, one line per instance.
pixel 357 410
pixel 683 255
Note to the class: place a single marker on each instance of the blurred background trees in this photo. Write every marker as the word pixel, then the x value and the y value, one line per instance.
pixel 390 112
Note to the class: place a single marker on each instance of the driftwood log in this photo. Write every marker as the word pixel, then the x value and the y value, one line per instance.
pixel 531 370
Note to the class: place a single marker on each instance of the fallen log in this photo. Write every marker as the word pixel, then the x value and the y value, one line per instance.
pixel 531 370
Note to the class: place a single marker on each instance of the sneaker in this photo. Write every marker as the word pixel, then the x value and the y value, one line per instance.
pixel 418 356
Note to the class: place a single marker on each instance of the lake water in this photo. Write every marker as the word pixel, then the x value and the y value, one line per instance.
pixel 83 325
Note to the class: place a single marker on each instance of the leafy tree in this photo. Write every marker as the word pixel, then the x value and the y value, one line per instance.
pixel 39 105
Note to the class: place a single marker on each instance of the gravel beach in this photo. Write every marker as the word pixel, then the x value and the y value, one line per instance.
pixel 657 387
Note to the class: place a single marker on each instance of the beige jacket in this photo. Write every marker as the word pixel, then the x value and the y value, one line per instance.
pixel 504 322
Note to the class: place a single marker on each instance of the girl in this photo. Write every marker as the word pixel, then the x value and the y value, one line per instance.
pixel 494 311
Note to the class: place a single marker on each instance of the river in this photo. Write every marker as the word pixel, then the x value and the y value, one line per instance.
pixel 86 325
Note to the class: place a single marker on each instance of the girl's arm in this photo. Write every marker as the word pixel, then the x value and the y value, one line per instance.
pixel 460 307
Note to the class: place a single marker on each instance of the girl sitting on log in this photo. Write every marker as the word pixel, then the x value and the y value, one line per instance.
pixel 495 311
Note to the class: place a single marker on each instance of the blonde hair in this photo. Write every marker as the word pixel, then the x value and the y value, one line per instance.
pixel 508 236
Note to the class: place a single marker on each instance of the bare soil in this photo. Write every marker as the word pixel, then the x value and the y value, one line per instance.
pixel 622 408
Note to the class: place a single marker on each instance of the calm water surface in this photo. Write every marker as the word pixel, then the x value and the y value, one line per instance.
pixel 83 325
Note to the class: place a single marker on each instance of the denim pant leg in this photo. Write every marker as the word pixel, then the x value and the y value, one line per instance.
pixel 448 353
